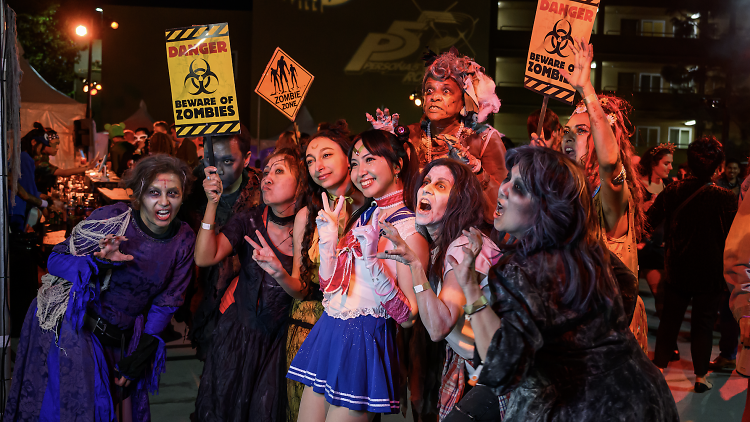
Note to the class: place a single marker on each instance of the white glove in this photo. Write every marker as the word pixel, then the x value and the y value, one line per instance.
pixel 368 237
pixel 328 235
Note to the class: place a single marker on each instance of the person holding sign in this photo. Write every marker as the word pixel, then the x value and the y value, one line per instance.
pixel 458 98
pixel 243 375
pixel 351 350
pixel 596 137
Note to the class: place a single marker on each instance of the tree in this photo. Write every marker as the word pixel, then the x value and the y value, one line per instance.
pixel 49 47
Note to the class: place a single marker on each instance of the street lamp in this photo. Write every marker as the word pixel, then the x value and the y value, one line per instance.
pixel 82 31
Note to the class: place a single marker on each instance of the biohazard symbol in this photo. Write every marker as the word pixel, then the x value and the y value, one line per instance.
pixel 559 39
pixel 201 78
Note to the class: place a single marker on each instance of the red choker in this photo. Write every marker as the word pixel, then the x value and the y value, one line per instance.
pixel 390 200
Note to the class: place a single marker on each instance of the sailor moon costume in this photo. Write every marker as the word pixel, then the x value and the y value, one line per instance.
pixel 350 355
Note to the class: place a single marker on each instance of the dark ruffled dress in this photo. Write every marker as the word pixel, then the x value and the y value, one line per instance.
pixel 244 374
pixel 562 365
pixel 70 379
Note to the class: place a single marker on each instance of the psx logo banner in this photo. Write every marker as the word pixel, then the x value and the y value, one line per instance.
pixel 398 50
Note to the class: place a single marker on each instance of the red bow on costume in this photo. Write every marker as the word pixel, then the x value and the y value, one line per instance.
pixel 348 249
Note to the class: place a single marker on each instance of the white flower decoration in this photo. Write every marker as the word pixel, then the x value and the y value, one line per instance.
pixel 612 119
pixel 580 109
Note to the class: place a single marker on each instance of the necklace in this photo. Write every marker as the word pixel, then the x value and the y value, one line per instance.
pixel 391 200
pixel 429 138
pixel 279 221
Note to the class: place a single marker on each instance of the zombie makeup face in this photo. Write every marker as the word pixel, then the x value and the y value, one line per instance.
pixel 514 203
pixel 576 136
pixel 327 163
pixel 279 186
pixel 442 100
pixel 229 164
pixel 161 201
pixel 432 198
pixel 374 175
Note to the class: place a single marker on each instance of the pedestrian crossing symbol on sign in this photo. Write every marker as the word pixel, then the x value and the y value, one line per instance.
pixel 284 84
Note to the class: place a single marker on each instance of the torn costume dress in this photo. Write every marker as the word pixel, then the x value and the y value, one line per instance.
pixel 563 364
pixel 350 355
pixel 88 310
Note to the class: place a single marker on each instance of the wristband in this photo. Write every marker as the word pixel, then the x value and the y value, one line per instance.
pixel 477 306
pixel 422 287
pixel 590 98
pixel 206 226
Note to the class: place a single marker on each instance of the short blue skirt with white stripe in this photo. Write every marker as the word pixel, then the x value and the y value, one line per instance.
pixel 353 362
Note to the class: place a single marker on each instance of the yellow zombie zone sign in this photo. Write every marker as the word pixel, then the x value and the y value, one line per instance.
pixel 284 84
pixel 202 80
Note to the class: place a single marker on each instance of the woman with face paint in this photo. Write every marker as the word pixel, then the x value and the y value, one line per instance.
pixel 242 378
pixel 351 351
pixel 112 286
pixel 555 331
pixel 457 99
pixel 448 205
pixel 596 136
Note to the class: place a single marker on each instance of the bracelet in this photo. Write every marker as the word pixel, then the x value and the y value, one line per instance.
pixel 206 226
pixel 422 287
pixel 590 98
pixel 477 306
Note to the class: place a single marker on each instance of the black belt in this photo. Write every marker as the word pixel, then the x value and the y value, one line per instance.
pixel 107 333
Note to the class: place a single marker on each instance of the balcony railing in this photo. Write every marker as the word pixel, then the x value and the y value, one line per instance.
pixel 669 90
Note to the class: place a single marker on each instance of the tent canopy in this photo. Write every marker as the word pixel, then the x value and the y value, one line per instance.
pixel 40 102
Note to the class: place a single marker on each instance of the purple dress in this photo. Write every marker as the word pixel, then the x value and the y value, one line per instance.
pixel 73 382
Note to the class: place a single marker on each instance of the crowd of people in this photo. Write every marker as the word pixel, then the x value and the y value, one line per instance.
pixel 426 266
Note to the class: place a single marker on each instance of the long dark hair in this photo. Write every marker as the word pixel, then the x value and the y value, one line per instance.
pixel 652 157
pixel 337 132
pixel 397 150
pixel 463 211
pixel 564 227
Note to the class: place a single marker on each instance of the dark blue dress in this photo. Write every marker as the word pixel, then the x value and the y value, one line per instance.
pixel 72 380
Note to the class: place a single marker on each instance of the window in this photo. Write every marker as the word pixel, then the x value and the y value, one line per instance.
pixel 650 82
pixel 629 27
pixel 681 136
pixel 625 81
pixel 651 28
pixel 647 136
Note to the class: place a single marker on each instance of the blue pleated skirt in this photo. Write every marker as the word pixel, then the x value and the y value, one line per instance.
pixel 353 362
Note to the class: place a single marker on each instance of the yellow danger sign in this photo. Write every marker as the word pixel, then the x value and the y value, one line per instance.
pixel 284 84
pixel 202 80
pixel 556 24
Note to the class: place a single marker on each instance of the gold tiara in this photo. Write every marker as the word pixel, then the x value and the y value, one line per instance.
pixel 668 146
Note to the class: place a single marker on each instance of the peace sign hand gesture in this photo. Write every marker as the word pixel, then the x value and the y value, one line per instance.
pixel 265 257
pixel 401 252
pixel 369 235
pixel 328 221
pixel 583 54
